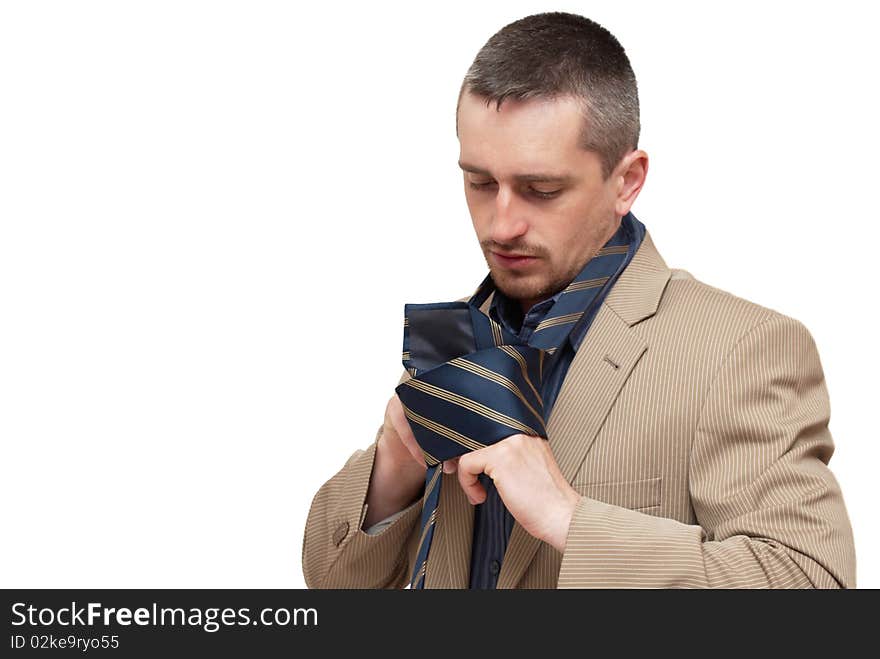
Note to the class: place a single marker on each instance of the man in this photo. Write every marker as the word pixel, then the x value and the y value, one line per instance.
pixel 687 439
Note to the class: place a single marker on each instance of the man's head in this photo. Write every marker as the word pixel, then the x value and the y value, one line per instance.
pixel 565 105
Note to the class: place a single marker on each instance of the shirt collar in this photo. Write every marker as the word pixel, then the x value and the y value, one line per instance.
pixel 508 313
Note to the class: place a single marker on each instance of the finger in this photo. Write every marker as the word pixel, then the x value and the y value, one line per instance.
pixel 415 450
pixel 450 466
pixel 398 418
pixel 404 431
pixel 418 455
pixel 470 466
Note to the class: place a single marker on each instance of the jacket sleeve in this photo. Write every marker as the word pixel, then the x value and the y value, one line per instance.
pixel 337 552
pixel 770 513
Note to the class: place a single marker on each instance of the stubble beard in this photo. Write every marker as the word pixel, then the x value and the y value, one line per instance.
pixel 542 285
pixel 529 287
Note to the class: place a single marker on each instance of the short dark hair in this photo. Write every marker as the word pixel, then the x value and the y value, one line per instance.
pixel 555 54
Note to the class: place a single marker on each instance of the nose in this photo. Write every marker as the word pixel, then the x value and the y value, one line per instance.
pixel 507 224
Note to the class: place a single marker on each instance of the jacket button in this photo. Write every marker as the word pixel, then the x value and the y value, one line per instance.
pixel 494 567
pixel 340 533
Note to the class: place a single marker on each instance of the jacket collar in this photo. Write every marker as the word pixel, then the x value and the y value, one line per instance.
pixel 636 294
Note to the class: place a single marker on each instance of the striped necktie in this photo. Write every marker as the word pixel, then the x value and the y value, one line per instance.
pixel 474 383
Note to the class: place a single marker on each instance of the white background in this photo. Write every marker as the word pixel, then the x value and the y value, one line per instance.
pixel 212 213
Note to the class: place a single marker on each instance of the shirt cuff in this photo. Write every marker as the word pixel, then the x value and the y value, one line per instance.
pixel 378 526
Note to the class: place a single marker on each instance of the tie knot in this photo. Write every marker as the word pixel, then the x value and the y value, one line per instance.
pixel 473 383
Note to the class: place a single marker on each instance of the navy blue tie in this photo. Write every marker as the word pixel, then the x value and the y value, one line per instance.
pixel 474 383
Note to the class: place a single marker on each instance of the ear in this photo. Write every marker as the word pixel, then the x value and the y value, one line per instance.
pixel 629 177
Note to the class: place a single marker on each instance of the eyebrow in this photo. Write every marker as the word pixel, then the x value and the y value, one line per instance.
pixel 522 178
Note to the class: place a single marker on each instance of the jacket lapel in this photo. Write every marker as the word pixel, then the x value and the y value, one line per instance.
pixel 603 363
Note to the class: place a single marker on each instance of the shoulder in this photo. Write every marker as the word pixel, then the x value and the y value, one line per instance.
pixel 690 299
pixel 698 318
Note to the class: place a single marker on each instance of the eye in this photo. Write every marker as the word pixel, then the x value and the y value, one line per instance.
pixel 480 186
pixel 544 195
pixel 540 194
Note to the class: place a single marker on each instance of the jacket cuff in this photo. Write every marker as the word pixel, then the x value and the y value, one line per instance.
pixel 614 547
pixel 360 553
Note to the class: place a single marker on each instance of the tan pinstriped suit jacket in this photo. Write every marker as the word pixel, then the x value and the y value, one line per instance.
pixel 695 425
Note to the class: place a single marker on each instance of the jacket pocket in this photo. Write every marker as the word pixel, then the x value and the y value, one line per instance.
pixel 635 495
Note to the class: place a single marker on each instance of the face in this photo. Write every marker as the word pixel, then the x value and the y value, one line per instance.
pixel 538 203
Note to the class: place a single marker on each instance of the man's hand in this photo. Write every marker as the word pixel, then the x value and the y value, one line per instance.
pixel 398 440
pixel 398 474
pixel 529 482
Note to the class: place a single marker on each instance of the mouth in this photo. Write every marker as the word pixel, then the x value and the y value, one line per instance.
pixel 513 260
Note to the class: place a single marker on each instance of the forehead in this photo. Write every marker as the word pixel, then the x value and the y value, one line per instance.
pixel 524 135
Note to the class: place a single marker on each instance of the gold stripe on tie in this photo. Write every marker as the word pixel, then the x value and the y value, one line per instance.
pixel 524 368
pixel 440 429
pixel 419 574
pixel 559 320
pixel 614 249
pixel 491 375
pixel 583 285
pixel 496 332
pixel 406 356
pixel 472 405
pixel 405 321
